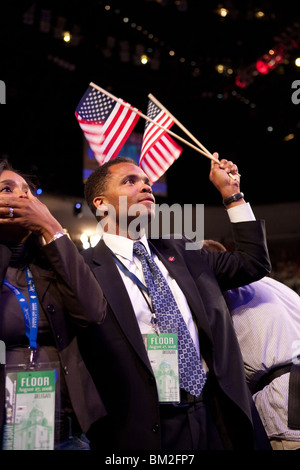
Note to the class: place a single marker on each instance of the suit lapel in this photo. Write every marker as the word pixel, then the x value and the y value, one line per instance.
pixel 45 278
pixel 109 278
pixel 179 271
pixel 5 255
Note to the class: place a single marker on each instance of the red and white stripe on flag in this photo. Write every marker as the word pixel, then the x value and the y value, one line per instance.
pixel 159 150
pixel 105 123
pixel 160 157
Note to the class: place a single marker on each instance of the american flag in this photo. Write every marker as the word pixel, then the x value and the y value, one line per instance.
pixel 159 150
pixel 105 122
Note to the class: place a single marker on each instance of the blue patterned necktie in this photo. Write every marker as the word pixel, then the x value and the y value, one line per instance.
pixel 192 376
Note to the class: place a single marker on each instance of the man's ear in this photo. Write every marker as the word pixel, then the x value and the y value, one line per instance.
pixel 99 203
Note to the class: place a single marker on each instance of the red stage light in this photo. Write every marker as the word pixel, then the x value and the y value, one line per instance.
pixel 262 67
pixel 239 82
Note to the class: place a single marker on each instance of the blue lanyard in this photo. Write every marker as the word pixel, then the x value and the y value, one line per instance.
pixel 141 287
pixel 132 276
pixel 30 313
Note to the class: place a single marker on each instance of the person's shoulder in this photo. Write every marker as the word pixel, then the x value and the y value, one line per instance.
pixel 278 286
pixel 97 251
pixel 178 242
pixel 87 253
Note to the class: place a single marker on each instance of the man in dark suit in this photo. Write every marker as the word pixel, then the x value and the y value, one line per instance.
pixel 223 416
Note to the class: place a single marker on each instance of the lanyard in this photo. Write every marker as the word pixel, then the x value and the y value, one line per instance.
pixel 132 276
pixel 30 313
pixel 141 287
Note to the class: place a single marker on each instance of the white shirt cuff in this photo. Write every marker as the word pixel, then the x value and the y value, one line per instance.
pixel 241 213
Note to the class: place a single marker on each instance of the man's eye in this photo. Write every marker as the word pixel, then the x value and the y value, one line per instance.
pixel 129 181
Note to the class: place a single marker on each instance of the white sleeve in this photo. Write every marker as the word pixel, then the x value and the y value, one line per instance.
pixel 241 213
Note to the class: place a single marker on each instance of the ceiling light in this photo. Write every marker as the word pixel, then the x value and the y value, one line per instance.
pixel 289 137
pixel 144 59
pixel 67 36
pixel 259 14
pixel 223 12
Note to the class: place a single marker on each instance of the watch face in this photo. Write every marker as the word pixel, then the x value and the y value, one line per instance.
pixel 234 197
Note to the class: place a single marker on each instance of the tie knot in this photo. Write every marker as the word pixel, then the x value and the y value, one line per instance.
pixel 139 249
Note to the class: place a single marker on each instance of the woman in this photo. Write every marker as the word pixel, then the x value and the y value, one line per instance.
pixel 42 269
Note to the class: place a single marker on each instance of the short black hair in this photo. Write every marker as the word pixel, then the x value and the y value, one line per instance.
pixel 96 183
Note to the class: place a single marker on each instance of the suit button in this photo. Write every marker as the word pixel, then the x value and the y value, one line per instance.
pixel 155 428
pixel 151 380
pixel 66 370
pixel 51 308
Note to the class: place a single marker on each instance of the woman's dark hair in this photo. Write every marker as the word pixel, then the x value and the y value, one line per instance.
pixel 6 165
pixel 97 181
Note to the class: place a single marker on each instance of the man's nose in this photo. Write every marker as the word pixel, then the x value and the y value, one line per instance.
pixel 146 188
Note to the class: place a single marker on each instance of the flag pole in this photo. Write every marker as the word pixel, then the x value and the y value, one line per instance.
pixel 207 153
pixel 127 105
pixel 152 98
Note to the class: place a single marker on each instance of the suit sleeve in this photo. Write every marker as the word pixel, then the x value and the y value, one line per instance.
pixel 5 255
pixel 76 282
pixel 249 261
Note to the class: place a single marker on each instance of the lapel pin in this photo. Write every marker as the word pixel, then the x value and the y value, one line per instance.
pixel 171 258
